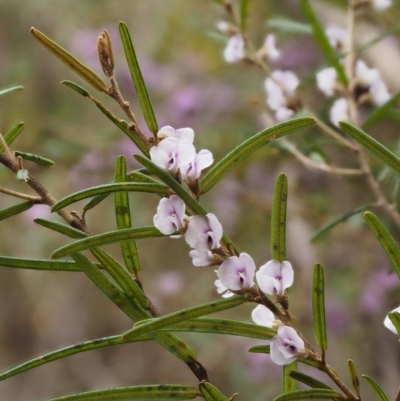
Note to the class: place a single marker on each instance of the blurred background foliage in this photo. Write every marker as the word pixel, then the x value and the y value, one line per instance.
pixel 180 53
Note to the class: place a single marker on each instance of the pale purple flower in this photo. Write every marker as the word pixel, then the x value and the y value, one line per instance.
pixel 286 346
pixel 380 5
pixel 202 160
pixel 263 316
pixel 269 48
pixel 337 36
pixel 202 258
pixel 326 81
pixel 170 215
pixel 284 114
pixel 171 154
pixel 274 277
pixel 204 232
pixel 224 27
pixel 388 323
pixel 237 272
pixel 221 289
pixel 339 111
pixel 234 50
pixel 185 135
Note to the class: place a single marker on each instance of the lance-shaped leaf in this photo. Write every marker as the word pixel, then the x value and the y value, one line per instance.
pixel 39 264
pixel 140 86
pixel 354 377
pixel 210 392
pixel 94 202
pixel 67 58
pixel 322 40
pixel 288 25
pixel 237 155
pixel 123 215
pixel 374 385
pixel 278 219
pixel 308 380
pixel 381 111
pixel 68 351
pixel 44 161
pixel 224 326
pixel 395 319
pixel 260 349
pixel 107 189
pixel 385 239
pixel 16 209
pixel 132 393
pixel 11 135
pixel 288 383
pixel 107 238
pixel 10 90
pixel 75 87
pixel 310 394
pixel 337 220
pixel 190 202
pixel 121 277
pixel 380 151
pixel 318 304
pixel 184 315
pixel 61 228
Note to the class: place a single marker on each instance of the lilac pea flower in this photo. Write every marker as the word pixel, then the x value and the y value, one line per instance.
pixel 274 277
pixel 286 346
pixel 221 289
pixel 234 50
pixel 185 135
pixel 204 232
pixel 326 81
pixel 202 160
pixel 339 111
pixel 171 154
pixel 237 273
pixel 388 323
pixel 170 215
pixel 202 258
pixel 263 316
pixel 271 52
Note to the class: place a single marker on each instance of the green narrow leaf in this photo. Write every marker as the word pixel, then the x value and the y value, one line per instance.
pixel 211 393
pixel 289 384
pixel 132 393
pixel 39 264
pixel 288 25
pixel 77 88
pixel 310 394
pixel 110 188
pixel 244 12
pixel 67 58
pixel 137 176
pixel 106 238
pixel 278 219
pixel 16 209
pixel 184 315
pixel 374 385
pixel 381 111
pixel 11 135
pixel 44 161
pixel 385 239
pixel 67 351
pixel 233 158
pixel 123 126
pixel 380 151
pixel 123 216
pixel 337 220
pixel 174 185
pixel 322 40
pixel 224 326
pixel 318 304
pixel 395 319
pixel 61 228
pixel 140 86
pixel 308 380
pixel 94 202
pixel 121 277
pixel 260 349
pixel 354 377
pixel 10 90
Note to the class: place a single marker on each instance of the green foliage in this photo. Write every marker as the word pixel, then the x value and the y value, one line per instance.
pixel 318 304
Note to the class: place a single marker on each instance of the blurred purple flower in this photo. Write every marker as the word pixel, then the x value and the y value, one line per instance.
pixel 170 283
pixel 36 212
pixel 374 293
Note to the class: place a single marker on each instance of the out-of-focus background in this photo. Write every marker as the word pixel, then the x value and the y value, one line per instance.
pixel 180 52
